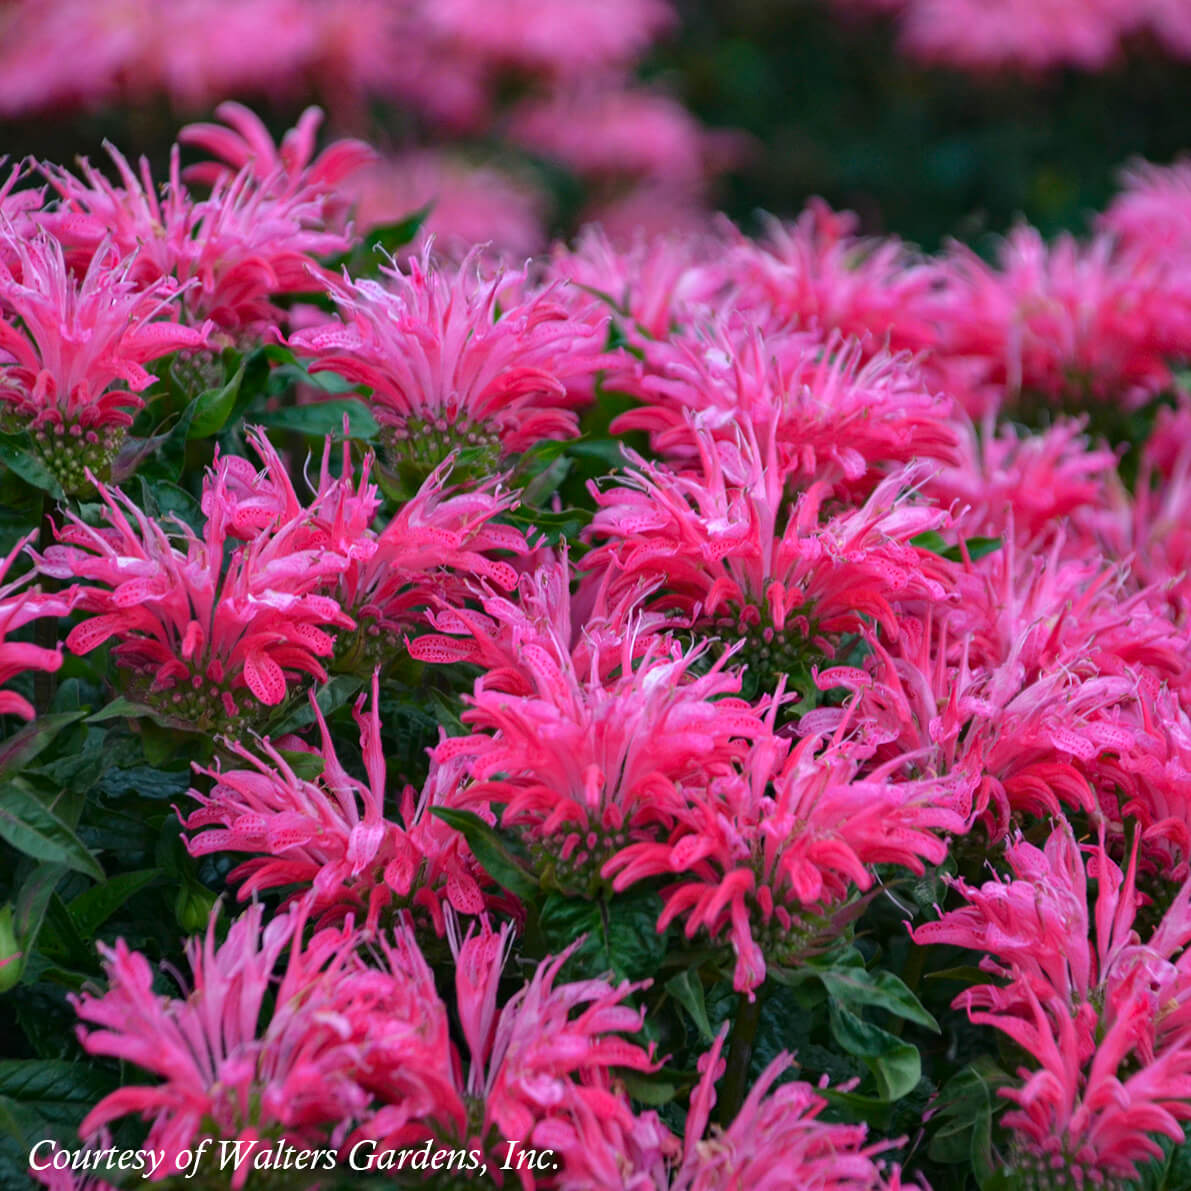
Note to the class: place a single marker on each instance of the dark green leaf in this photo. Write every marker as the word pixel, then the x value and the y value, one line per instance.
pixel 326 417
pixel 92 908
pixel 855 985
pixel 491 850
pixel 32 828
pixel 29 467
pixel 25 744
pixel 118 709
pixel 307 766
pixel 687 989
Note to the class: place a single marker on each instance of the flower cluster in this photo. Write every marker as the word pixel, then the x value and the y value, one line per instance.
pixel 656 634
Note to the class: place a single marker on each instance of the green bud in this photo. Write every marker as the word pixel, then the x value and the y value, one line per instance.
pixel 193 906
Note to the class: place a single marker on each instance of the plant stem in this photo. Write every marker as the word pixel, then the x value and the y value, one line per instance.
pixel 734 1085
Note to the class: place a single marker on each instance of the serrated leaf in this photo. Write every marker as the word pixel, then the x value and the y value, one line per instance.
pixel 491 850
pixel 60 1091
pixel 94 906
pixel 28 742
pixel 33 829
pixel 326 417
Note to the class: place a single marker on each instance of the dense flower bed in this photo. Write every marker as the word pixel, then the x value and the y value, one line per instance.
pixel 705 714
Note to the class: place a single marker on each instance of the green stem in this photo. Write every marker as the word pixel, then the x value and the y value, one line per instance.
pixel 45 628
pixel 734 1085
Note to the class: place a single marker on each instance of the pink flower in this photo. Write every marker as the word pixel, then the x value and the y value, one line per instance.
pixel 1153 211
pixel 259 233
pixel 228 1067
pixel 832 415
pixel 615 132
pixel 553 37
pixel 777 1139
pixel 1066 321
pixel 1104 1018
pixel 19 605
pixel 468 204
pixel 242 142
pixel 543 1057
pixel 205 645
pixel 738 560
pixel 329 834
pixel 438 543
pixel 585 762
pixel 446 373
pixel 768 858
pixel 66 343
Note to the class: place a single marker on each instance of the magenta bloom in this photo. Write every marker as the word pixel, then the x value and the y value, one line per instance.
pixel 259 233
pixel 732 555
pixel 226 1068
pixel 767 858
pixel 778 1139
pixel 1102 1013
pixel 832 416
pixel 330 834
pixel 586 763
pixel 20 604
pixel 544 1056
pixel 205 645
pixel 446 373
pixel 65 343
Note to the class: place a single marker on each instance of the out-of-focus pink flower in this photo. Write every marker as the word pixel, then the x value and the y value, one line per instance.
pixel 1065 322
pixel 227 1070
pixel 819 274
pixel 20 604
pixel 72 351
pixel 330 836
pixel 649 210
pixel 446 372
pixel 468 204
pixel 242 142
pixel 207 644
pixel 615 133
pixel 561 38
pixel 1153 211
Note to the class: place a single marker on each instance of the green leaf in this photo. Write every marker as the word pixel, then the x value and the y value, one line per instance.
pixel 120 709
pixel 213 407
pixel 648 1089
pixel 331 695
pixel 32 828
pixel 895 1065
pixel 26 743
pixel 60 937
pixel 326 417
pixel 491 850
pixel 619 934
pixel 93 907
pixel 33 900
pixel 687 989
pixel 62 1092
pixel 855 985
pixel 977 547
pixel 29 467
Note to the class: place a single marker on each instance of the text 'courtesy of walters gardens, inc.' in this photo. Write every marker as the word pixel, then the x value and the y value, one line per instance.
pixel 233 1156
